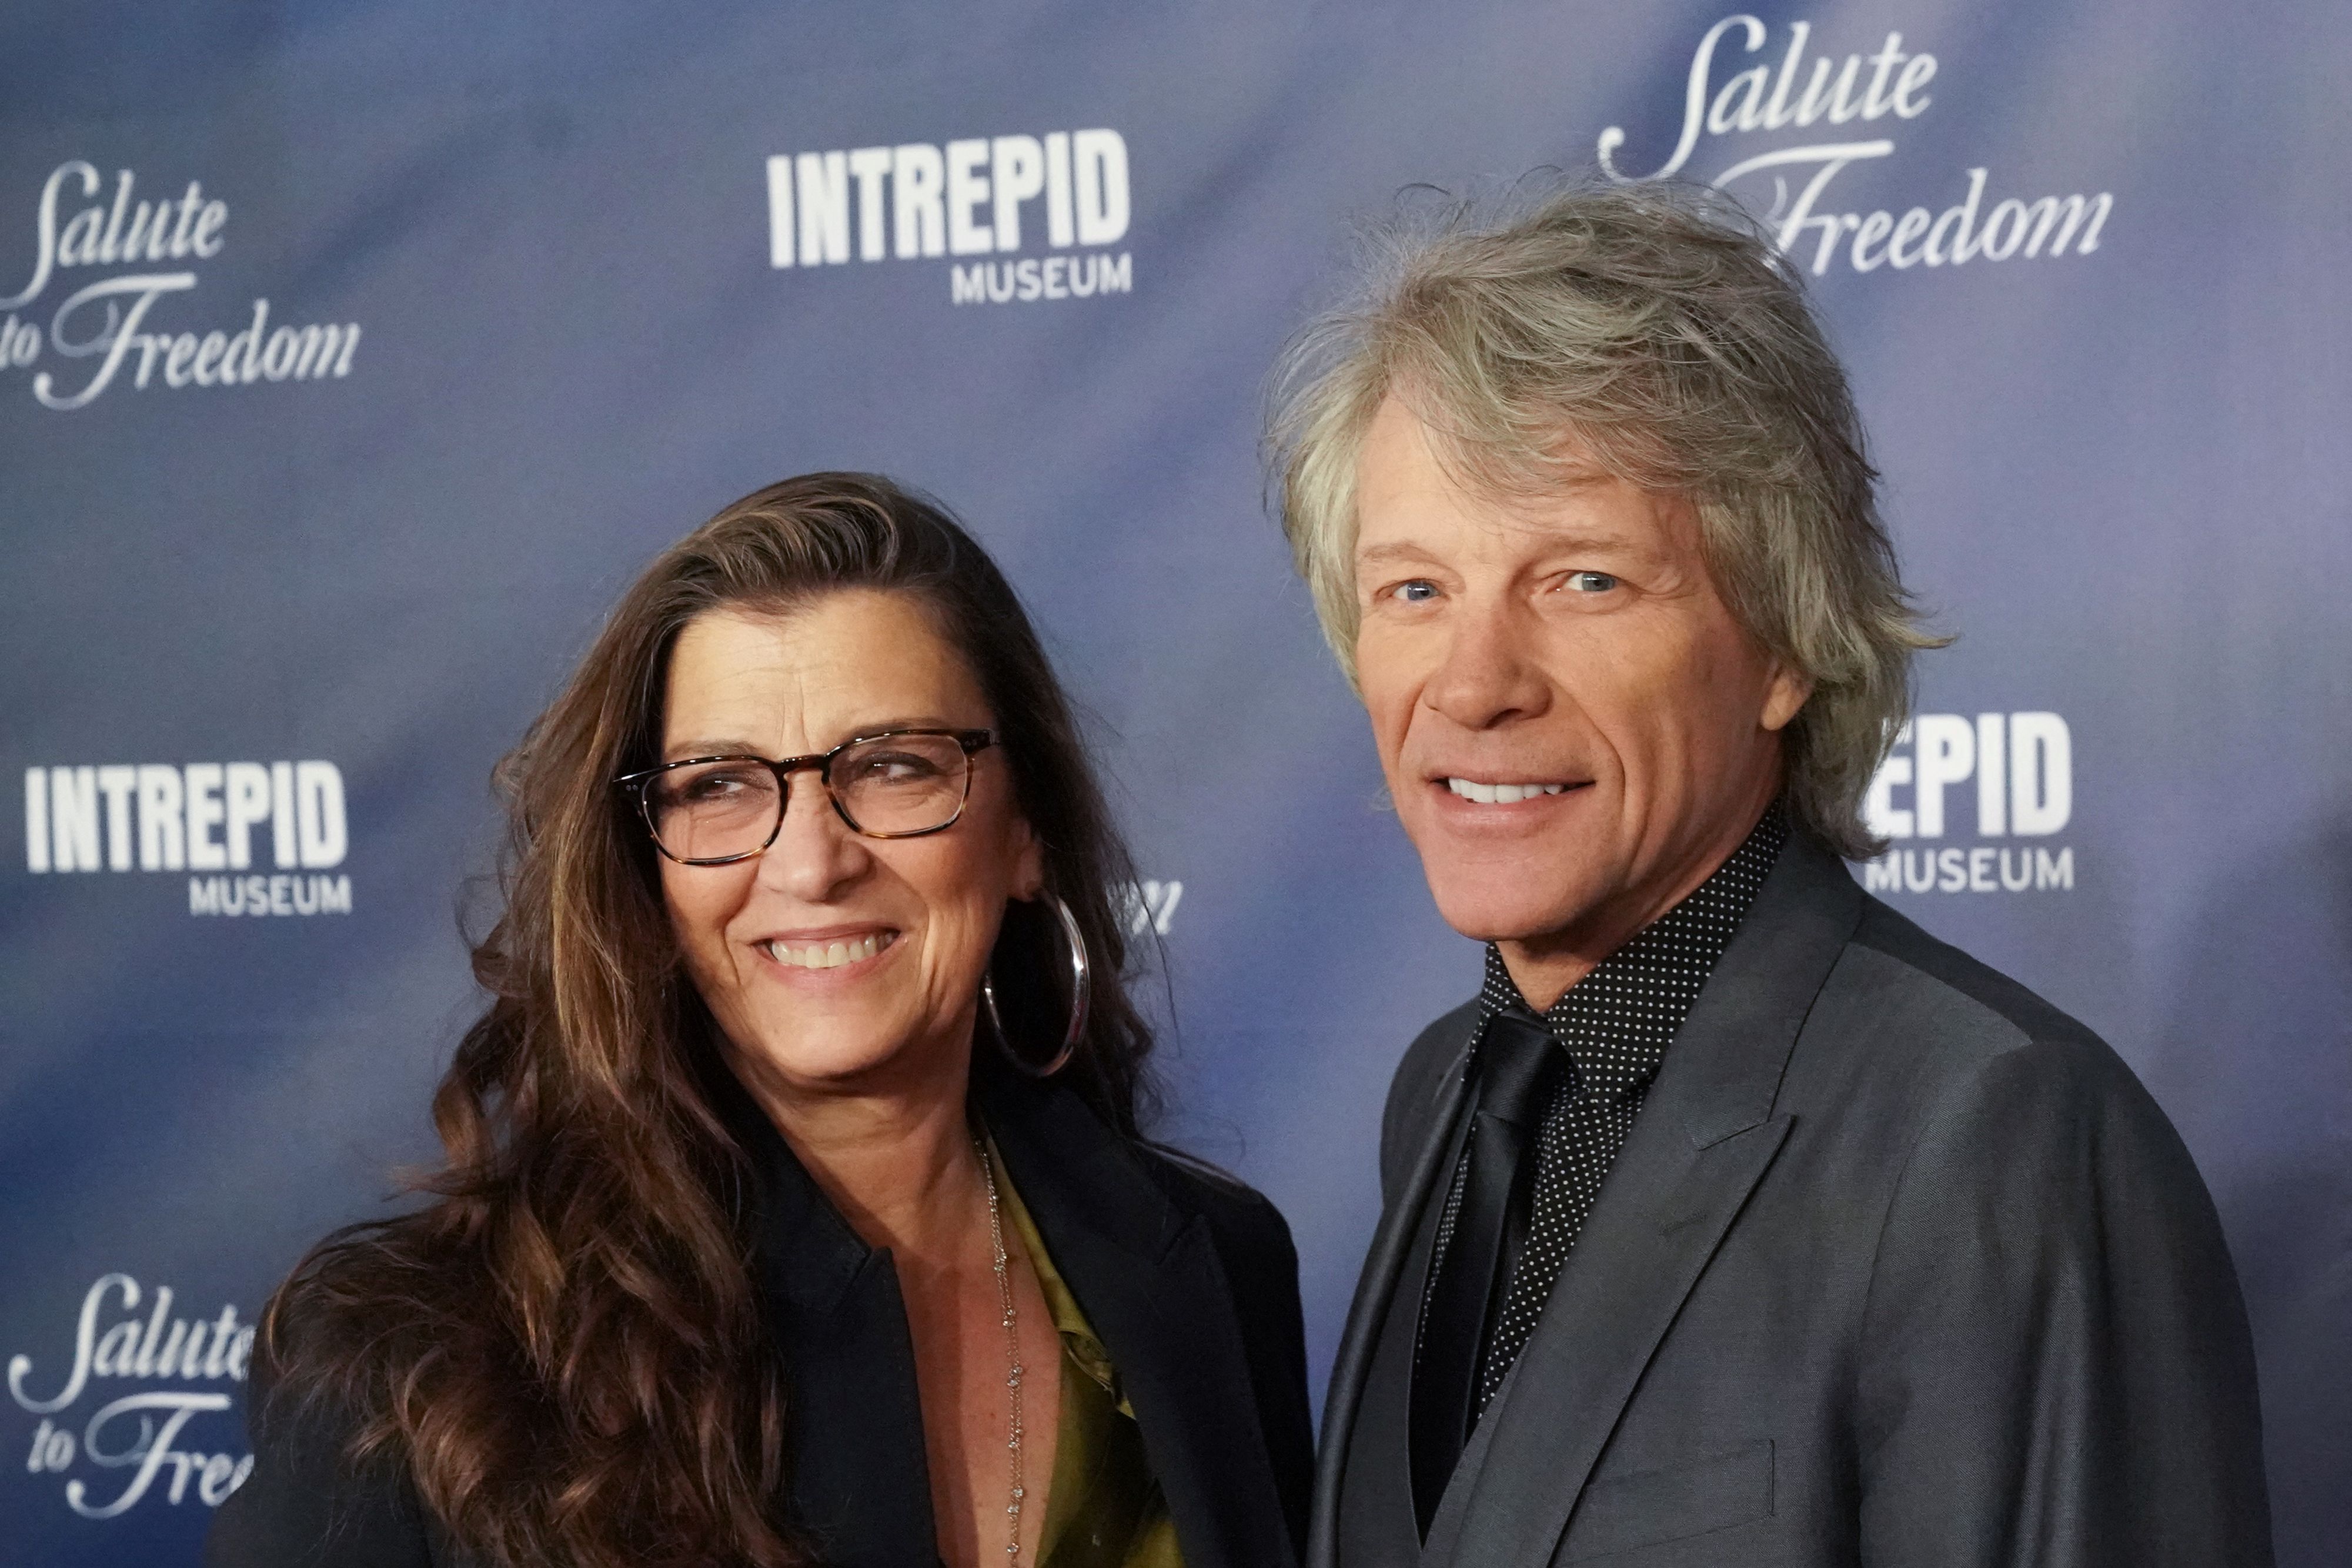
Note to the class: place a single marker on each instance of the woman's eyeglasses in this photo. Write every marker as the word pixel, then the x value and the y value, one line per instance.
pixel 900 784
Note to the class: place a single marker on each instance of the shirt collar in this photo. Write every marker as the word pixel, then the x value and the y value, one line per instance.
pixel 1616 1021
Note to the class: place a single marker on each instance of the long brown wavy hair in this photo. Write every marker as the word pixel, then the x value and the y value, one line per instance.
pixel 565 1347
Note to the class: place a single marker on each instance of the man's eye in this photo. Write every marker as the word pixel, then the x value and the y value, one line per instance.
pixel 1416 592
pixel 1590 581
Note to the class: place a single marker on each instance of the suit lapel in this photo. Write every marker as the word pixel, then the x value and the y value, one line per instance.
pixel 1511 1497
pixel 1384 1271
pixel 1704 1139
pixel 1148 1277
pixel 1375 1523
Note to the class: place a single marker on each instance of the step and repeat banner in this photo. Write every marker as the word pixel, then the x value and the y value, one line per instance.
pixel 353 358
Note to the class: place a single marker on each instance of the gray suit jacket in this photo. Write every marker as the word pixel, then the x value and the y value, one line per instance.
pixel 1899 1267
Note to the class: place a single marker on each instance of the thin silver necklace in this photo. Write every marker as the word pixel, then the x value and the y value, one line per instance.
pixel 1012 1348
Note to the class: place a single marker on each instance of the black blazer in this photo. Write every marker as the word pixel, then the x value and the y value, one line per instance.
pixel 1189 1278
pixel 1899 1267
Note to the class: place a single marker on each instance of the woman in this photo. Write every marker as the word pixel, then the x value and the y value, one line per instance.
pixel 796 1210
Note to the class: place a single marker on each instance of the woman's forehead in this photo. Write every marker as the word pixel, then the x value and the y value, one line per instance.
pixel 807 678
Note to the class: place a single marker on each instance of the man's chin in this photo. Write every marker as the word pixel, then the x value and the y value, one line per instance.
pixel 1481 917
pixel 1515 895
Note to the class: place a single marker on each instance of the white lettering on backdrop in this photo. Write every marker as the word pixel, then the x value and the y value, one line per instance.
pixel 1884 91
pixel 148 234
pixel 200 817
pixel 975 196
pixel 137 1432
pixel 2022 764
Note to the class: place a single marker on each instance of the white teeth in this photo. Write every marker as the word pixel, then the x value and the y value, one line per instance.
pixel 829 954
pixel 1500 794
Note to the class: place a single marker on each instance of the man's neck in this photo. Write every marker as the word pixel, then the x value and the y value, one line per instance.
pixel 1544 966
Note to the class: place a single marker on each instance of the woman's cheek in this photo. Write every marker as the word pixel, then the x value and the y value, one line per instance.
pixel 698 912
pixel 963 958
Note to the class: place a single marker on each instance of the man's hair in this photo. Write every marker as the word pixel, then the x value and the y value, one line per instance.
pixel 1653 333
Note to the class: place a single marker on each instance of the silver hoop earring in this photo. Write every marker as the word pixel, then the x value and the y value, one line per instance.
pixel 1080 969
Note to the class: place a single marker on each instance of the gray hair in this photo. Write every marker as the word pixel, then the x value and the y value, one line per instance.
pixel 1651 332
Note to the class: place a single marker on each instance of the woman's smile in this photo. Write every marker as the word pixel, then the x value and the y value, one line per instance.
pixel 831 953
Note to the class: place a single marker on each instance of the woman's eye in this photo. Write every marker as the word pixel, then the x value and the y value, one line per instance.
pixel 1414 592
pixel 1590 581
pixel 713 786
pixel 896 767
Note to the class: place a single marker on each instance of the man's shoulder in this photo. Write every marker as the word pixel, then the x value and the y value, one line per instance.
pixel 1978 999
pixel 1911 1020
pixel 1413 1091
pixel 1981 1109
pixel 1433 1051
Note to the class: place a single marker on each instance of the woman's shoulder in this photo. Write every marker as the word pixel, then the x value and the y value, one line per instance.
pixel 309 1498
pixel 330 1481
pixel 1079 1160
pixel 367 1304
pixel 1236 1212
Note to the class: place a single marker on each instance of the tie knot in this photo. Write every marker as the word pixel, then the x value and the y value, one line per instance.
pixel 1515 1057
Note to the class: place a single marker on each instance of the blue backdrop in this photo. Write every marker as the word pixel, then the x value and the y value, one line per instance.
pixel 355 356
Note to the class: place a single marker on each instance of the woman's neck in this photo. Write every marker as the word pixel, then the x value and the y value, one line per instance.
pixel 895 1161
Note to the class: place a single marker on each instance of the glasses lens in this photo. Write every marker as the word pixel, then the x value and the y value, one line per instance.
pixel 902 783
pixel 713 809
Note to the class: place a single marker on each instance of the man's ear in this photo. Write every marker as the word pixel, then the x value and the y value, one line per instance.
pixel 1785 695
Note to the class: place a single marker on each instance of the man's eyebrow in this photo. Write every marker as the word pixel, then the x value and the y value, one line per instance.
pixel 1553 544
pixel 1381 555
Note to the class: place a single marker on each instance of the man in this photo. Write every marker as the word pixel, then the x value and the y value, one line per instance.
pixel 1736 1220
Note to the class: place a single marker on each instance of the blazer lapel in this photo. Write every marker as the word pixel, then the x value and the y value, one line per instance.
pixel 1148 1277
pixel 859 1480
pixel 1704 1139
pixel 1376 1290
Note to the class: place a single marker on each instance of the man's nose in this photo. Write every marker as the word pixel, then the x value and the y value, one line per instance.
pixel 1489 673
pixel 815 854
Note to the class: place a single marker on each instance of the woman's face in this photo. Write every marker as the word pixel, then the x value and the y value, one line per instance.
pixel 793 685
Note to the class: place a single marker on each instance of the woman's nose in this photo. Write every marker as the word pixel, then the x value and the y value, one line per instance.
pixel 815 854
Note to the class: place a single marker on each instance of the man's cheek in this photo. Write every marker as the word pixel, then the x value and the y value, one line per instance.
pixel 1391 731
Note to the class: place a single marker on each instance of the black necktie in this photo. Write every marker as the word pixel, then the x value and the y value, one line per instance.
pixel 1518 1063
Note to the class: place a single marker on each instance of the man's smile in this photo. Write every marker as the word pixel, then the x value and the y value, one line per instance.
pixel 1497 793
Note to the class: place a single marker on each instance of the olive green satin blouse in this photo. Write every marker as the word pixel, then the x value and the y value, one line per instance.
pixel 1105 1510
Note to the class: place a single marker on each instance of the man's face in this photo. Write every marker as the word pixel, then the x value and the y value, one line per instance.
pixel 1575 729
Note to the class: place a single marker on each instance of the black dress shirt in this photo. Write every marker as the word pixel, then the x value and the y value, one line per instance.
pixel 1615 1025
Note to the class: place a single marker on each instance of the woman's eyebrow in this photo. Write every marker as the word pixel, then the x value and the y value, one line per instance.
pixel 678 750
pixel 732 747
